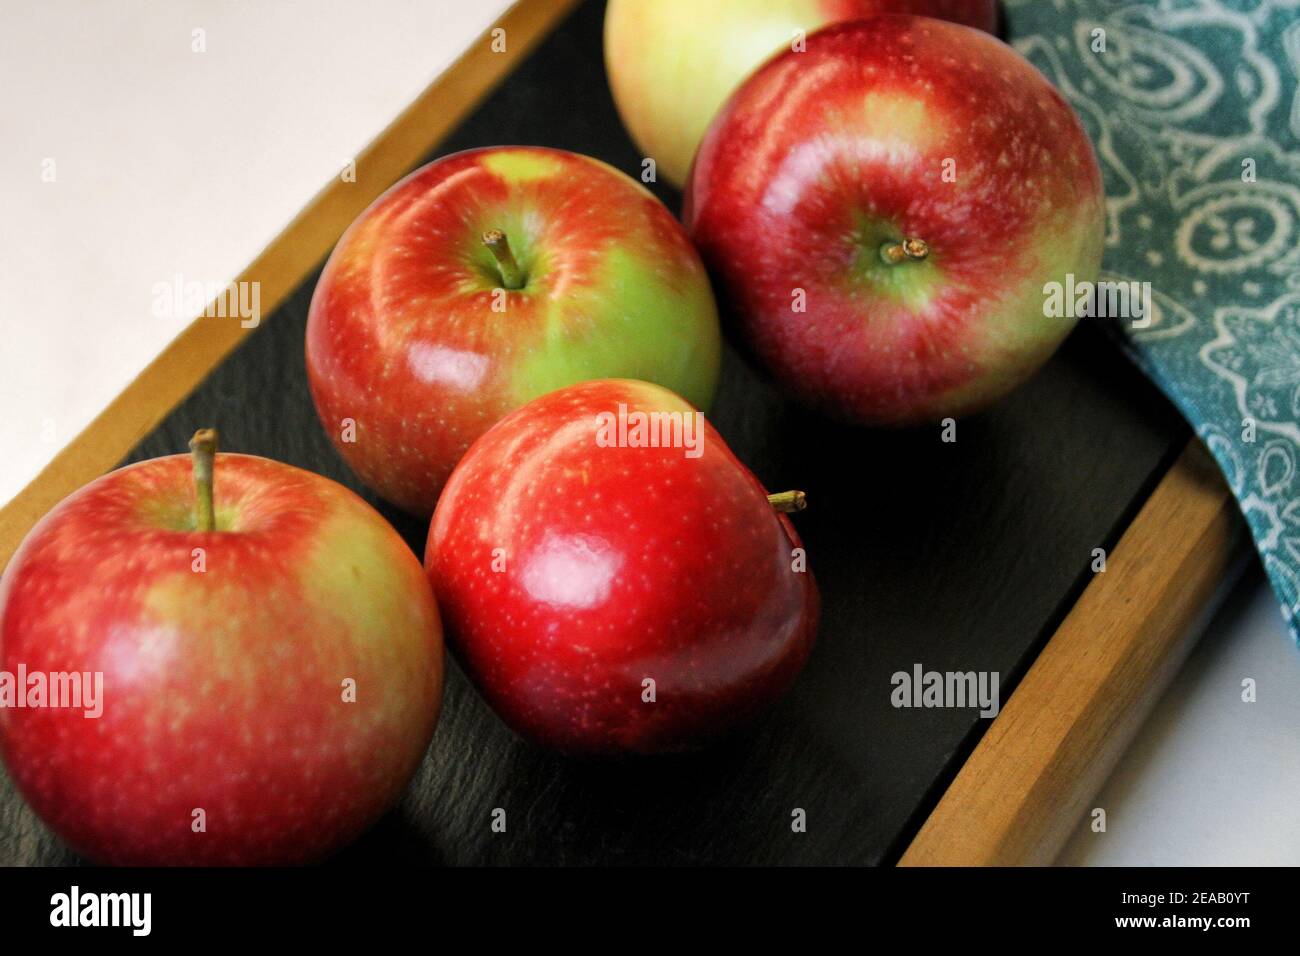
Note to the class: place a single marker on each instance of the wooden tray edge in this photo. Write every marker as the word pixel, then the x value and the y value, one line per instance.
pixel 1026 786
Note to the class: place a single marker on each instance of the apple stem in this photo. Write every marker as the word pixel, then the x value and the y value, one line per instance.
pixel 203 449
pixel 787 502
pixel 512 277
pixel 892 253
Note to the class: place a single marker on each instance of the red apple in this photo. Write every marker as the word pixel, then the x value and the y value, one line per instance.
pixel 266 688
pixel 885 210
pixel 483 280
pixel 606 594
pixel 673 63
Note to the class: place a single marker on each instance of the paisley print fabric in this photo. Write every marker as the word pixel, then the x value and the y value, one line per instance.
pixel 1194 108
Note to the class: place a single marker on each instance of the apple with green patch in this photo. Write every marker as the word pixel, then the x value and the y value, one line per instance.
pixel 269 652
pixel 884 212
pixel 673 63
pixel 484 280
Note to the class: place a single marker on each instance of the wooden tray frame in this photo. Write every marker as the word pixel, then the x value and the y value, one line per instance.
pixel 1026 785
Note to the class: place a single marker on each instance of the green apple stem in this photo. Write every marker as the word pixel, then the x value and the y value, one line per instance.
pixel 787 502
pixel 203 449
pixel 892 253
pixel 512 277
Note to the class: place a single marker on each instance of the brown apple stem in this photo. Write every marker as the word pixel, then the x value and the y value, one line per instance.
pixel 787 502
pixel 892 253
pixel 203 449
pixel 512 277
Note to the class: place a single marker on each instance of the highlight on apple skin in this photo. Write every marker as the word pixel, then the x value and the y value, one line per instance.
pixel 488 278
pixel 883 212
pixel 608 595
pixel 673 63
pixel 268 687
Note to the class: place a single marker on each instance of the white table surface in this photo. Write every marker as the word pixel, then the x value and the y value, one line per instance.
pixel 1211 779
pixel 170 161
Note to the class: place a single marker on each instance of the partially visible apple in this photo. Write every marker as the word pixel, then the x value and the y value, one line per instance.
pixel 610 595
pixel 483 280
pixel 884 213
pixel 270 668
pixel 673 63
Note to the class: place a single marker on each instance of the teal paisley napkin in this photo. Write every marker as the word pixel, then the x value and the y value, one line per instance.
pixel 1194 111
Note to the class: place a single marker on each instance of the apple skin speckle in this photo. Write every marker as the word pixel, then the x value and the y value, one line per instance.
pixel 622 564
pixel 412 336
pixel 868 138
pixel 223 689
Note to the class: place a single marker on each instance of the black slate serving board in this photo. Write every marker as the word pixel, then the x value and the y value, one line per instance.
pixel 957 556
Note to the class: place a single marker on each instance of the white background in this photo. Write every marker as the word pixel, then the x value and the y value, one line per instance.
pixel 1213 780
pixel 170 161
